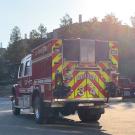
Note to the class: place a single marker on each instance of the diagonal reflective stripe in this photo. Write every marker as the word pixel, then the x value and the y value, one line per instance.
pixel 103 73
pixel 59 42
pixel 91 88
pixel 113 45
pixel 67 65
pixel 100 81
pixel 56 59
pixel 77 82
pixel 116 57
pixel 56 66
pixel 80 83
pixel 71 83
pixel 97 90
pixel 100 88
pixel 115 61
pixel 54 55
pixel 99 84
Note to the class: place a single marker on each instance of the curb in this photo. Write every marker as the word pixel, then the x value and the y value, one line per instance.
pixel 128 100
pixel 115 100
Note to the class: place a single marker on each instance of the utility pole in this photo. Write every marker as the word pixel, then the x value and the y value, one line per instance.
pixel 80 18
pixel 0 44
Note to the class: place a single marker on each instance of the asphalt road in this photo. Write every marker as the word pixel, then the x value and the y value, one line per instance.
pixel 119 119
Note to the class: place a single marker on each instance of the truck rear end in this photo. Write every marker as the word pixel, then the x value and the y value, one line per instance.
pixel 84 76
pixel 86 67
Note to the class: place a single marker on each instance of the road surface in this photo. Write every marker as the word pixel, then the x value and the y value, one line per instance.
pixel 119 119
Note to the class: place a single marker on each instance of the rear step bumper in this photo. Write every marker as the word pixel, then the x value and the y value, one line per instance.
pixel 83 100
pixel 91 102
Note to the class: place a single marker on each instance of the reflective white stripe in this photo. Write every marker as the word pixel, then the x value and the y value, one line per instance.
pixel 41 58
pixel 26 90
pixel 42 81
pixel 84 99
pixel 48 101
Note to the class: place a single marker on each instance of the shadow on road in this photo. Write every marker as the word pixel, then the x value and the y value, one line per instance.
pixel 25 124
pixel 125 104
pixel 128 105
pixel 66 126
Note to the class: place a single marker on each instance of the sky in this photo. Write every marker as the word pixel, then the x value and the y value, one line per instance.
pixel 28 14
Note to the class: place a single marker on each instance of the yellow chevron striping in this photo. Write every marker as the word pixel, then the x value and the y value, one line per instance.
pixel 58 42
pixel 92 86
pixel 110 44
pixel 53 76
pixel 77 90
pixel 114 61
pixel 104 74
pixel 98 80
pixel 56 59
pixel 71 83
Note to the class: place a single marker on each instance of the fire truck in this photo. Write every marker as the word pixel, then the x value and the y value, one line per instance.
pixel 64 76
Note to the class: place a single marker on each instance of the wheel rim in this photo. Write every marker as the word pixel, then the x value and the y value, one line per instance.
pixel 37 113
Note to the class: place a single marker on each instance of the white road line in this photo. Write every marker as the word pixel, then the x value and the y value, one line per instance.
pixel 5 111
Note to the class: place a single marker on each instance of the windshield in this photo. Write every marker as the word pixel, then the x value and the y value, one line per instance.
pixel 20 70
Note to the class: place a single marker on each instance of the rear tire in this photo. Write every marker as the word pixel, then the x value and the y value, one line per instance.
pixel 41 112
pixel 88 115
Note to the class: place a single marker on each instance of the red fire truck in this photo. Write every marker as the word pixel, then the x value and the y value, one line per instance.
pixel 65 76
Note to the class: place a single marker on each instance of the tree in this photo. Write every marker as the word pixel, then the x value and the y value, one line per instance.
pixel 14 49
pixel 17 48
pixel 14 53
pixel 34 34
pixel 94 20
pixel 15 35
pixel 65 21
pixel 111 19
pixel 42 31
pixel 3 67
